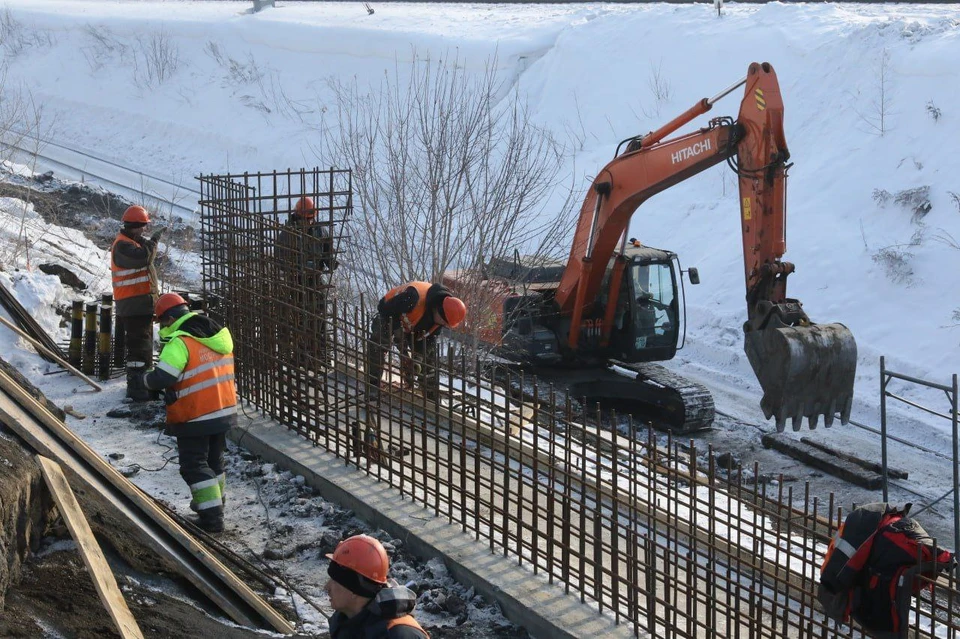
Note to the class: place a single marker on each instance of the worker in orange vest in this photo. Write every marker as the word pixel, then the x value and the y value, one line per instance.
pixel 195 372
pixel 134 294
pixel 411 315
pixel 367 604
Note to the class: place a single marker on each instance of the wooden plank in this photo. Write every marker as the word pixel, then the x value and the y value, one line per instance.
pixel 93 557
pixel 43 349
pixel 876 467
pixel 9 301
pixel 815 458
pixel 52 438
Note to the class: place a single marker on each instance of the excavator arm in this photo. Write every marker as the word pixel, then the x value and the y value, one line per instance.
pixel 805 369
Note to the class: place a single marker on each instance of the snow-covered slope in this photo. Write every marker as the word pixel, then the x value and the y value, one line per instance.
pixel 247 90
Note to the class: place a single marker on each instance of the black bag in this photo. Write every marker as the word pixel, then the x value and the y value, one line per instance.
pixel 872 568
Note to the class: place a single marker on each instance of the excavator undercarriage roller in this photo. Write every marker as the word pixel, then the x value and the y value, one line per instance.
pixel 805 371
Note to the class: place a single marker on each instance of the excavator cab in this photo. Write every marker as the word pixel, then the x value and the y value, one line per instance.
pixel 647 317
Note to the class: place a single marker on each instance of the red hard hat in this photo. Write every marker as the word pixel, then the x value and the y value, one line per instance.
pixel 136 214
pixel 166 302
pixel 365 556
pixel 453 311
pixel 304 207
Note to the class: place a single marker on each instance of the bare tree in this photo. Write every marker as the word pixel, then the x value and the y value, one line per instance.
pixel 22 134
pixel 875 115
pixel 155 59
pixel 448 173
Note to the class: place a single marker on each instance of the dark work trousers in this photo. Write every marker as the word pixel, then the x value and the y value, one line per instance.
pixel 139 356
pixel 384 334
pixel 139 340
pixel 201 466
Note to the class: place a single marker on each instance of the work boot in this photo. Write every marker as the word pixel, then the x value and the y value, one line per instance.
pixel 136 391
pixel 208 520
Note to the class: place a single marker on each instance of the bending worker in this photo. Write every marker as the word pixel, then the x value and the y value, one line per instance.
pixel 134 292
pixel 196 371
pixel 411 315
pixel 368 605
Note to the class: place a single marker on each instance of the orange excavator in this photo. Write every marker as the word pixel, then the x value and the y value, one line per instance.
pixel 616 301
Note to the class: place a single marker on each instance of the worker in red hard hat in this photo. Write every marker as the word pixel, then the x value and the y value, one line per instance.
pixel 411 315
pixel 305 257
pixel 196 373
pixel 134 293
pixel 367 604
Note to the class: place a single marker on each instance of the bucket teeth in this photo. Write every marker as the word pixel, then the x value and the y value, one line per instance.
pixel 798 420
pixel 829 415
pixel 804 371
pixel 845 413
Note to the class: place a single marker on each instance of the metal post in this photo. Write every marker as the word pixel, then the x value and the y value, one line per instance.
pixel 883 424
pixel 89 339
pixel 104 341
pixel 956 473
pixel 75 352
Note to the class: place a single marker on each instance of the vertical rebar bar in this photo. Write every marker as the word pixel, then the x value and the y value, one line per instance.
pixel 956 473
pixel 75 352
pixel 883 426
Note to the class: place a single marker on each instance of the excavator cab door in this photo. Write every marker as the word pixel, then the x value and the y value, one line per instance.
pixel 647 323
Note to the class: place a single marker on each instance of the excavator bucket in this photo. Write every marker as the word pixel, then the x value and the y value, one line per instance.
pixel 804 371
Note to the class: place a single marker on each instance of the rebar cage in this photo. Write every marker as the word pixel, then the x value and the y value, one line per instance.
pixel 648 530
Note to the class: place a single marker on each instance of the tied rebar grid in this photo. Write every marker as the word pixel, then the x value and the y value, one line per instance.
pixel 650 533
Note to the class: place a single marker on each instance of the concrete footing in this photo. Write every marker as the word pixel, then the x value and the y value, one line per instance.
pixel 527 600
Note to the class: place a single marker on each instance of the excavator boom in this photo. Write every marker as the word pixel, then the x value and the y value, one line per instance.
pixel 805 369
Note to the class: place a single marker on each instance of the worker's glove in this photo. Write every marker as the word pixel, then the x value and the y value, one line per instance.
pixel 408 371
pixel 169 396
pixel 157 235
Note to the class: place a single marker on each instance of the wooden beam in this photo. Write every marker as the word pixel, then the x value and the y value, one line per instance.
pixel 43 349
pixel 816 458
pixel 49 436
pixel 93 557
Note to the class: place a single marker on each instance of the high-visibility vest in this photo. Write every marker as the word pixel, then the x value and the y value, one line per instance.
pixel 205 388
pixel 411 319
pixel 128 282
pixel 407 620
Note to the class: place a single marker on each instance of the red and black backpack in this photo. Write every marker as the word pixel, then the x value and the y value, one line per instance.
pixel 872 566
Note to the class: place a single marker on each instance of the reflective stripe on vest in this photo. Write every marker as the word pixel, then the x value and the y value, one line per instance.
pixel 205 389
pixel 407 620
pixel 128 282
pixel 410 320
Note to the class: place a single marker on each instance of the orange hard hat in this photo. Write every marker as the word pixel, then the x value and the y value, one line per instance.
pixel 166 302
pixel 136 214
pixel 363 555
pixel 304 207
pixel 453 311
